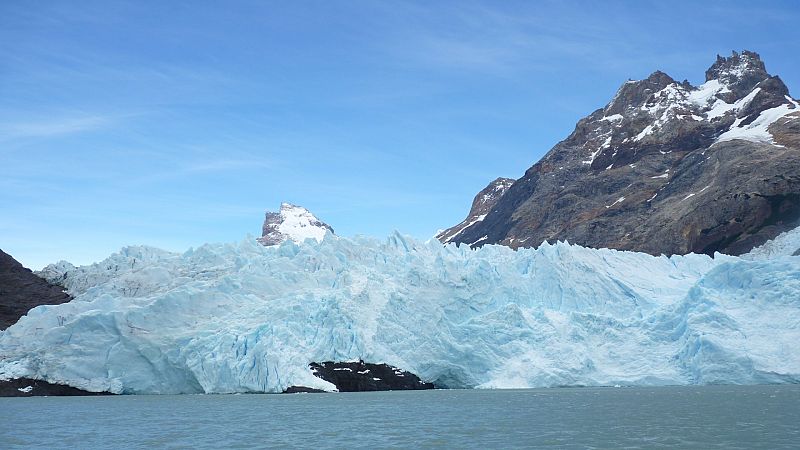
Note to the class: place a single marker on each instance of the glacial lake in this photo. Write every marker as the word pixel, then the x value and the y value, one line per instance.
pixel 661 417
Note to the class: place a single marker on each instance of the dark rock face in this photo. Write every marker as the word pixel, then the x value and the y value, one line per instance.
pixel 741 73
pixel 21 290
pixel 634 93
pixel 665 167
pixel 482 204
pixel 302 390
pixel 26 387
pixel 361 376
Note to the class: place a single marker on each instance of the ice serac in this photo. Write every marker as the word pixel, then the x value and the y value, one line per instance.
pixel 665 167
pixel 481 205
pixel 293 223
pixel 785 244
pixel 244 317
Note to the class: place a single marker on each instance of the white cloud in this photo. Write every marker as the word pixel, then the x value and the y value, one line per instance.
pixel 221 165
pixel 53 127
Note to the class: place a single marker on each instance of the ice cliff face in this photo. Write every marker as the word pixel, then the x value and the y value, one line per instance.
pixel 248 318
pixel 664 167
pixel 293 223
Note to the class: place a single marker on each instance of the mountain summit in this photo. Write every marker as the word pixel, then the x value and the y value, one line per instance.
pixel 664 167
pixel 294 223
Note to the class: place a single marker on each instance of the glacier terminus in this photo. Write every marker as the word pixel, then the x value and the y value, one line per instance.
pixel 245 317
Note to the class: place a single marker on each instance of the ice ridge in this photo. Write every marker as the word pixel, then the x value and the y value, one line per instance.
pixel 242 317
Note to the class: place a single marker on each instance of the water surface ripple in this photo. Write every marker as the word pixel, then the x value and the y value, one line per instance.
pixel 661 417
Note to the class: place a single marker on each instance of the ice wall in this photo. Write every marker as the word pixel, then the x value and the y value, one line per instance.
pixel 242 317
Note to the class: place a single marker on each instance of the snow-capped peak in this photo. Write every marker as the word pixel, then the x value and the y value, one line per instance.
pixel 294 223
pixel 728 80
pixel 737 68
pixel 738 89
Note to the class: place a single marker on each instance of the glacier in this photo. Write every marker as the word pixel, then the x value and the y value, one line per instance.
pixel 784 244
pixel 242 317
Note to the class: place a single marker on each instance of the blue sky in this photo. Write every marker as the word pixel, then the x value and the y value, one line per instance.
pixel 178 123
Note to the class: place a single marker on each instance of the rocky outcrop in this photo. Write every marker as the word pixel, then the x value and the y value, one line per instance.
pixel 294 223
pixel 302 390
pixel 359 376
pixel 665 167
pixel 482 204
pixel 21 290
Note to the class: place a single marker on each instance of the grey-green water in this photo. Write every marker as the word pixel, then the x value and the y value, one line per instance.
pixel 675 417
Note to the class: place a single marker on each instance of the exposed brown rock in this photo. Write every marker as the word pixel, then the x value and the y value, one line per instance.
pixel 481 205
pixel 21 290
pixel 652 171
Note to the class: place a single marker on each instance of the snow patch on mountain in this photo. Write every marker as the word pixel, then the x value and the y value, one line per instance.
pixel 612 118
pixel 705 95
pixel 293 223
pixel 758 130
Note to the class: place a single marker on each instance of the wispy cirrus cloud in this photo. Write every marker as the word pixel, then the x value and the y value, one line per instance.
pixel 223 165
pixel 499 41
pixel 53 127
pixel 510 38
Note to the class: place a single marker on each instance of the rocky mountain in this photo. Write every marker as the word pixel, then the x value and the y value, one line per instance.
pixel 482 204
pixel 664 167
pixel 21 290
pixel 294 223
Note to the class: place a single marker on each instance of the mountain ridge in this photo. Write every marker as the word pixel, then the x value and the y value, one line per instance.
pixel 664 167
pixel 483 202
